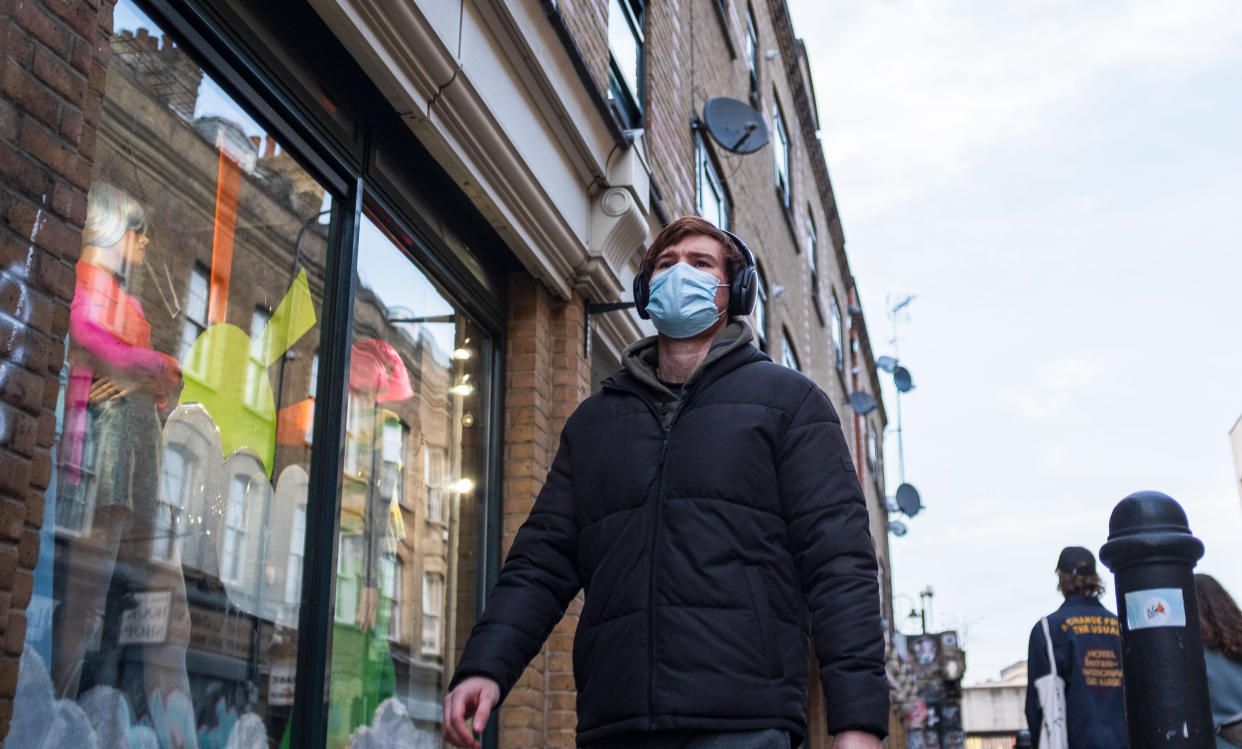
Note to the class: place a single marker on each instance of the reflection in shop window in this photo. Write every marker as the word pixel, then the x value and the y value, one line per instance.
pixel 433 470
pixel 392 589
pixel 297 546
pixel 195 319
pixel 433 606
pixel 394 458
pixel 182 468
pixel 174 498
pixel 234 545
pixel 256 367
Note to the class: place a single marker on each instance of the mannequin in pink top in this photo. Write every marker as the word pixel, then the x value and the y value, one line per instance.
pixel 110 456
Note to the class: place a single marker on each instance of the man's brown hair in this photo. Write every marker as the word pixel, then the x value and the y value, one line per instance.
pixel 689 226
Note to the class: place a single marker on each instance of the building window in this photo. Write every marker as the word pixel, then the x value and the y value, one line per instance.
pixel 393 468
pixel 433 476
pixel 256 367
pixel 838 334
pixel 789 357
pixel 177 481
pixel 761 311
pixel 195 319
pixel 780 151
pixel 713 203
pixel 349 563
pixel 873 450
pixel 812 254
pixel 752 55
pixel 626 70
pixel 233 545
pixel 433 608
pixel 293 567
pixel 391 565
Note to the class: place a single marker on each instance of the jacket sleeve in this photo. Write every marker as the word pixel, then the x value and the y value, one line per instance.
pixel 538 580
pixel 1036 666
pixel 830 540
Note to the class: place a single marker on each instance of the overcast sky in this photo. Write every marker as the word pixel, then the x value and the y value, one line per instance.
pixel 1060 184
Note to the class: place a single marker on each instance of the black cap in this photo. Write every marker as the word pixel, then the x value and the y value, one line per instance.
pixel 1075 560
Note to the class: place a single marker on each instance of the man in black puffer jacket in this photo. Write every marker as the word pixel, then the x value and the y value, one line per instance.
pixel 705 502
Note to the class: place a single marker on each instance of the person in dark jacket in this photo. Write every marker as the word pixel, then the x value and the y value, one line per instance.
pixel 1086 642
pixel 705 503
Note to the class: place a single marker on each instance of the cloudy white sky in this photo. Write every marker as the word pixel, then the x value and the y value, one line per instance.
pixel 1059 183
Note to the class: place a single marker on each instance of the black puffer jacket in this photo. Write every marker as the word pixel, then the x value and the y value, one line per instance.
pixel 705 548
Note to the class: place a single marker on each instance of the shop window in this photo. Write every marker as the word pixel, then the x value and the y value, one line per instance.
pixel 838 334
pixel 393 471
pixel 177 479
pixel 789 357
pixel 297 549
pixel 195 319
pixel 713 202
pixel 196 312
pixel 752 55
pixel 780 152
pixel 433 476
pixel 419 362
pixel 433 609
pixel 392 589
pixel 627 60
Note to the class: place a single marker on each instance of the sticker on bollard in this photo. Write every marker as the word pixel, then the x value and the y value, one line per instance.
pixel 1158 607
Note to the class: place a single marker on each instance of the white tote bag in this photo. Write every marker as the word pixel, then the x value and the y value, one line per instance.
pixel 1051 691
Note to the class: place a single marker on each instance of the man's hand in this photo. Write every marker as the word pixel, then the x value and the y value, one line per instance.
pixel 475 696
pixel 855 740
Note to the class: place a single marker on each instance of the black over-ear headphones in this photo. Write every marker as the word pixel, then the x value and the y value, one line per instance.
pixel 742 291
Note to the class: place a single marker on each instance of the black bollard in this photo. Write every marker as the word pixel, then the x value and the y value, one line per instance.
pixel 1152 556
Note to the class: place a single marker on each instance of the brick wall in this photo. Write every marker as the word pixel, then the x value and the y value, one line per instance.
pixel 55 54
pixel 547 377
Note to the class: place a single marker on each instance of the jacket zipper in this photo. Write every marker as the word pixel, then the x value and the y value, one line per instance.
pixel 655 536
pixel 655 529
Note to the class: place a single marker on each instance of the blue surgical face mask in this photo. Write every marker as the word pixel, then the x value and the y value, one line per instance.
pixel 683 301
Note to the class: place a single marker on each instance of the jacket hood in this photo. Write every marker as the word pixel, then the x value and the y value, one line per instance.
pixel 640 359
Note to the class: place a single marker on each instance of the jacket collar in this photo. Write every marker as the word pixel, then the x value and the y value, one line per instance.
pixel 732 347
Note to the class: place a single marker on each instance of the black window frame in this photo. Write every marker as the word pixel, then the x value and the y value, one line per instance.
pixel 629 106
pixel 752 62
pixel 705 167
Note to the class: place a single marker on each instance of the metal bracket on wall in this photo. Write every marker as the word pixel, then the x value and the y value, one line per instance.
pixel 595 309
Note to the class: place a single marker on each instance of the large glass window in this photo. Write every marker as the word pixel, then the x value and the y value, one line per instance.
pixel 416 384
pixel 626 54
pixel 713 203
pixel 180 491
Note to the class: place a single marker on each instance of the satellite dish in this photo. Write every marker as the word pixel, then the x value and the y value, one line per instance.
pixel 862 403
pixel 886 363
pixel 735 125
pixel 897 528
pixel 901 376
pixel 908 500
